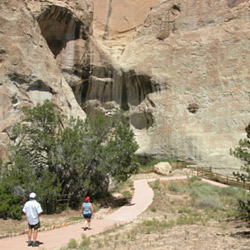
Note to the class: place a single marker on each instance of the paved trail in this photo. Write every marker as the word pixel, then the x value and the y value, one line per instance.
pixel 143 197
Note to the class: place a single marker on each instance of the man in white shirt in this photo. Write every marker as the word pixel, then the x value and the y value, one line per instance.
pixel 32 209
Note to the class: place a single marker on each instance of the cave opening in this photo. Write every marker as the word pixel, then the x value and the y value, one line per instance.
pixel 59 26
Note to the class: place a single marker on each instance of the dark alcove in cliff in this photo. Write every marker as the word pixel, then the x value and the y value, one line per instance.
pixel 108 87
pixel 59 26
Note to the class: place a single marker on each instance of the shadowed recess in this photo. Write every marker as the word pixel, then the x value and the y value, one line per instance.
pixel 58 26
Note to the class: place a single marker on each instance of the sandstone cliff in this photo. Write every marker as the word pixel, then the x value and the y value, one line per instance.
pixel 186 74
pixel 29 73
pixel 178 68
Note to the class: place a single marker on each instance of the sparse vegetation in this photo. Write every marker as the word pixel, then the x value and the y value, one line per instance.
pixel 85 241
pixel 147 163
pixel 72 244
pixel 127 195
pixel 176 204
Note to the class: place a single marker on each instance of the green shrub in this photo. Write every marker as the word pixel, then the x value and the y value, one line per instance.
pixel 193 179
pixel 184 210
pixel 10 205
pixel 153 226
pixel 174 187
pixel 72 244
pixel 85 241
pixel 183 220
pixel 210 201
pixel 229 191
pixel 155 185
pixel 127 195
pixel 244 207
pixel 53 156
pixel 153 209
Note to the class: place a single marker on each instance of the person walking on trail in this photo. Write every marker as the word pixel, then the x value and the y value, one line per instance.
pixel 87 211
pixel 32 209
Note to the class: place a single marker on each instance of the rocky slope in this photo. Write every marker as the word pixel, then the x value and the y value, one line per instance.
pixel 178 68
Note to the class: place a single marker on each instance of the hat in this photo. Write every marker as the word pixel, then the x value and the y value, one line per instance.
pixel 32 195
pixel 87 199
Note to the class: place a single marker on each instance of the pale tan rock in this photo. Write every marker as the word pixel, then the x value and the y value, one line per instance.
pixel 185 171
pixel 29 73
pixel 117 195
pixel 187 92
pixel 200 102
pixel 162 168
pixel 119 18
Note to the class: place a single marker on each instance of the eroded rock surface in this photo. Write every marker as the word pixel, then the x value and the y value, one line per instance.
pixel 196 53
pixel 29 74
pixel 178 68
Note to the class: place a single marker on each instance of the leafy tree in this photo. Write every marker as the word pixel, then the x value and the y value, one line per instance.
pixel 243 152
pixel 30 161
pixel 53 155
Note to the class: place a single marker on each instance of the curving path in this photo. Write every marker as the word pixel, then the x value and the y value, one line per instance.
pixel 143 197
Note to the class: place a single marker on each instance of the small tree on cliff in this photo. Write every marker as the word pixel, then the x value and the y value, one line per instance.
pixel 243 152
pixel 53 155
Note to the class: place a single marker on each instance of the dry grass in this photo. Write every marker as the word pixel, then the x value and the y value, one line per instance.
pixel 179 218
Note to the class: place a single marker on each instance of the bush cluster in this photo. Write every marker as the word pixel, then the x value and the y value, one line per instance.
pixel 56 156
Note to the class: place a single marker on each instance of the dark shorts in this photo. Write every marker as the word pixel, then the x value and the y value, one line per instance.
pixel 87 216
pixel 34 226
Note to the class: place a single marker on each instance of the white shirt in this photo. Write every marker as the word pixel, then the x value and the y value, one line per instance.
pixel 32 208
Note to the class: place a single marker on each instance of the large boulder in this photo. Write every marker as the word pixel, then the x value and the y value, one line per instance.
pixel 162 168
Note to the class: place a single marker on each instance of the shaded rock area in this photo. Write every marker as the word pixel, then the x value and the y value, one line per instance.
pixel 112 88
pixel 67 28
pixel 234 3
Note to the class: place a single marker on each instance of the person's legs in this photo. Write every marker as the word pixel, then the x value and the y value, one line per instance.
pixel 86 224
pixel 35 234
pixel 89 221
pixel 29 234
pixel 35 243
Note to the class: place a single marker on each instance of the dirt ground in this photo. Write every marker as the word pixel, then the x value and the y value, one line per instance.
pixel 15 226
pixel 163 231
pixel 228 235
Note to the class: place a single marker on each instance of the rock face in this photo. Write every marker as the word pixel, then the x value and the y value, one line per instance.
pixel 195 54
pixel 29 73
pixel 66 27
pixel 178 68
